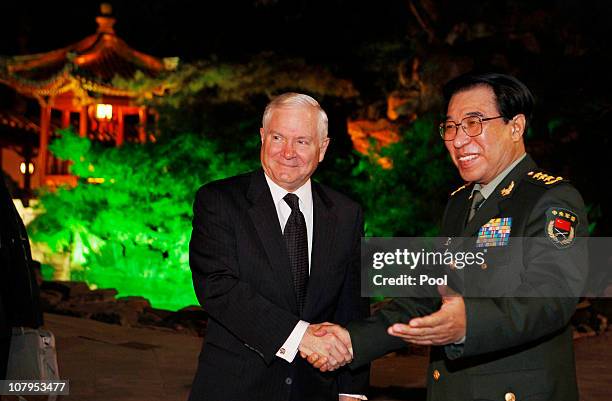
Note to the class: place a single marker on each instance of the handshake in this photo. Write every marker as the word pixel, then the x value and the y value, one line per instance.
pixel 326 346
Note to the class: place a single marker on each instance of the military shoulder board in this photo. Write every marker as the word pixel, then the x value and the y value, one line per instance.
pixel 542 178
pixel 458 189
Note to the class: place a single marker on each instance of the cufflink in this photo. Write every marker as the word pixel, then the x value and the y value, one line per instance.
pixel 282 351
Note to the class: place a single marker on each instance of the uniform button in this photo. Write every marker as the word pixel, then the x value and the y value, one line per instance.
pixel 510 397
pixel 288 381
pixel 484 266
pixel 436 375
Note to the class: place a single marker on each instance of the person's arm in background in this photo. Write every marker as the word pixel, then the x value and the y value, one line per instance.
pixel 21 293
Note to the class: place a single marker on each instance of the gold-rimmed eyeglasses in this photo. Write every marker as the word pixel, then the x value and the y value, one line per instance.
pixel 471 125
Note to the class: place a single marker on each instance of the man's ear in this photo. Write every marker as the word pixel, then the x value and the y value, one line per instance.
pixel 261 134
pixel 518 127
pixel 323 149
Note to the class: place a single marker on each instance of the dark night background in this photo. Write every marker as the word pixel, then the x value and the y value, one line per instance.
pixel 560 49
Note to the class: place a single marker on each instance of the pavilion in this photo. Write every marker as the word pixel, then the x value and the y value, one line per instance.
pixel 85 86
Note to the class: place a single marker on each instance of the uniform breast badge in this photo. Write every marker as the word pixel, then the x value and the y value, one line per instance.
pixel 495 233
pixel 561 226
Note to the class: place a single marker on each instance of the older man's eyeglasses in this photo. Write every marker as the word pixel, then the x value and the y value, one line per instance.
pixel 472 126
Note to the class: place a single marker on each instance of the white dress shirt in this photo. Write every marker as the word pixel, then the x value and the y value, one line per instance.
pixel 290 348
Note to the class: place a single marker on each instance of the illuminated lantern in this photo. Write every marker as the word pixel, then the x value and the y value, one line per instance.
pixel 104 111
pixel 22 168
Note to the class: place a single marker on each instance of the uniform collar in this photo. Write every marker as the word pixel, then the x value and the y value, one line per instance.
pixel 487 190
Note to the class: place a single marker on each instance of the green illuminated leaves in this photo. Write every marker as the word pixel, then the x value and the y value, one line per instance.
pixel 132 231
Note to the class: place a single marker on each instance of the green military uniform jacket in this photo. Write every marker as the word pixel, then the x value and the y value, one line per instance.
pixel 517 347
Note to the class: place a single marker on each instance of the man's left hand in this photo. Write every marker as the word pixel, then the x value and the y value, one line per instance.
pixel 446 326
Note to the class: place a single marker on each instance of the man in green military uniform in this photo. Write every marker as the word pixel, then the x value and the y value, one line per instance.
pixel 515 344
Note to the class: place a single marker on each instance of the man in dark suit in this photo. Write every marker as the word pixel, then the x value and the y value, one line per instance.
pixel 19 297
pixel 509 338
pixel 270 252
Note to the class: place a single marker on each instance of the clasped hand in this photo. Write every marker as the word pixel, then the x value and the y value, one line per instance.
pixel 326 346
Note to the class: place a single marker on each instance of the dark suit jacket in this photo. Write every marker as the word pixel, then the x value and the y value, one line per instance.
pixel 520 343
pixel 19 297
pixel 243 281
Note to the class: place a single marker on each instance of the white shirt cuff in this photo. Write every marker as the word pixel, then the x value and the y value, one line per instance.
pixel 358 396
pixel 289 349
pixel 460 341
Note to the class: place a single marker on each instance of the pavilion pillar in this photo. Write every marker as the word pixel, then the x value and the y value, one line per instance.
pixel 45 124
pixel 142 124
pixel 120 127
pixel 83 122
pixel 65 118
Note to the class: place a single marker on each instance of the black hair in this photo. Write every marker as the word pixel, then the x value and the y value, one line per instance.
pixel 511 95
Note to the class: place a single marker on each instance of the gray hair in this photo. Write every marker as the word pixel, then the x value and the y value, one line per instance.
pixel 295 100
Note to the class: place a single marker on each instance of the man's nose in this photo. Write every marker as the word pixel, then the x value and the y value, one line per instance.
pixel 461 138
pixel 288 150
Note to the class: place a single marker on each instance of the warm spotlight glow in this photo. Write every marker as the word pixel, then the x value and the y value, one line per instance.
pixel 22 168
pixel 95 180
pixel 104 111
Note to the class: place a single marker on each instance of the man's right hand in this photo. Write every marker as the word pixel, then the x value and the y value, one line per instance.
pixel 328 362
pixel 323 348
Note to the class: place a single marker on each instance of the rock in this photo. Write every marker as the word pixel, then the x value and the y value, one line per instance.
pixel 72 298
pixel 191 319
pixel 148 318
pixel 68 289
pixel 121 314
pixel 136 303
pixel 49 299
pixel 99 295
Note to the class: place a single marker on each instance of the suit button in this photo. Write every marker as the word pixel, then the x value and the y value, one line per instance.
pixel 288 381
pixel 436 375
pixel 484 266
pixel 510 397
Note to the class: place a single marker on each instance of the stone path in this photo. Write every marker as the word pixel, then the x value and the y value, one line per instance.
pixel 112 363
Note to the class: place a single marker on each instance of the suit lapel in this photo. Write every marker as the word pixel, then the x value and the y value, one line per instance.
pixel 324 233
pixel 265 219
pixel 456 214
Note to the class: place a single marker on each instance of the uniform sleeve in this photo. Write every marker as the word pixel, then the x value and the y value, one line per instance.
pixel 369 336
pixel 546 298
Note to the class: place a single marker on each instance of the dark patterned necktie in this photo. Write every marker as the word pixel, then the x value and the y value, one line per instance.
pixel 477 200
pixel 296 240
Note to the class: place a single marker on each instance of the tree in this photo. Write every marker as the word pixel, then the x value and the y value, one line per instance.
pixel 407 199
pixel 127 223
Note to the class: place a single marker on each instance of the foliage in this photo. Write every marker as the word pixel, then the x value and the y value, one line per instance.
pixel 226 82
pixel 131 232
pixel 407 200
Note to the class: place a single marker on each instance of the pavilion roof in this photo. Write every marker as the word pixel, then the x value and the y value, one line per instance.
pixel 17 121
pixel 89 65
